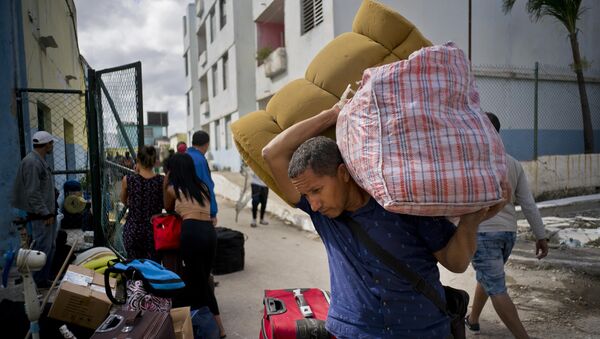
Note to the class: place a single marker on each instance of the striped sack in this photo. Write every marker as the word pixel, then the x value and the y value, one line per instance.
pixel 414 137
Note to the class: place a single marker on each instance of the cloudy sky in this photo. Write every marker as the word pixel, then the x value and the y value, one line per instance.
pixel 113 33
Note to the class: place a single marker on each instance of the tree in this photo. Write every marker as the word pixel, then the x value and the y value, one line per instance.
pixel 567 12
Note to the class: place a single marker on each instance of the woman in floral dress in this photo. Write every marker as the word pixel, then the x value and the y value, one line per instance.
pixel 142 193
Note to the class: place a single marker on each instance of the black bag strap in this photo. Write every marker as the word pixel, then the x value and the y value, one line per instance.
pixel 418 283
pixel 107 288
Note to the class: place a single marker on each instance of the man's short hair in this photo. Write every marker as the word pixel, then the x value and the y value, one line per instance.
pixel 320 154
pixel 200 138
pixel 494 120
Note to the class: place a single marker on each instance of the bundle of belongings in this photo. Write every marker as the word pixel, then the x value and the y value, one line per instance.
pixel 102 296
pixel 413 136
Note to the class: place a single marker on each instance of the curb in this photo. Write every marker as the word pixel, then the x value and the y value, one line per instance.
pixel 275 205
pixel 566 205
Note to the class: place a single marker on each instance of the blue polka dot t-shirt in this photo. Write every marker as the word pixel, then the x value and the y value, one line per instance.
pixel 369 299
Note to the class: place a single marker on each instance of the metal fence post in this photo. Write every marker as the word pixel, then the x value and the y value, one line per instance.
pixel 535 111
pixel 140 103
pixel 21 124
pixel 95 170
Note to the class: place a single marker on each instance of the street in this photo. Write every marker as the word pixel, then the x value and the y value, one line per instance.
pixel 552 303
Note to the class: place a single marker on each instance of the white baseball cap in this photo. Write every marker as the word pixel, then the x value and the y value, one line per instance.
pixel 42 137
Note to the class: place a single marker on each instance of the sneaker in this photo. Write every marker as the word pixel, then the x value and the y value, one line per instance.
pixel 263 222
pixel 253 223
pixel 474 328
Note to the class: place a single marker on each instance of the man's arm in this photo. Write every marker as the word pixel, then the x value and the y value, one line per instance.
pixel 459 250
pixel 124 190
pixel 532 214
pixel 31 180
pixel 203 173
pixel 279 151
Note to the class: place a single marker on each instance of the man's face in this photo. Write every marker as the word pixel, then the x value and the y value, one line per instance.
pixel 326 194
pixel 49 147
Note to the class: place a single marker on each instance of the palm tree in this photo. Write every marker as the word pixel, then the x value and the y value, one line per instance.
pixel 567 12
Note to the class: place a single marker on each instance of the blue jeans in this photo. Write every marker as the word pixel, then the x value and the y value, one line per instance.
pixel 45 241
pixel 493 250
pixel 204 324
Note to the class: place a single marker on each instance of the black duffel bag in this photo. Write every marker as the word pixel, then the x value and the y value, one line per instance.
pixel 230 251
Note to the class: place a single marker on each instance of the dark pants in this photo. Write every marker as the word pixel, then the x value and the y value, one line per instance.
pixel 259 196
pixel 45 241
pixel 197 251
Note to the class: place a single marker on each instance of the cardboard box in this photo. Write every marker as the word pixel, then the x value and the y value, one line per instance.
pixel 81 298
pixel 182 323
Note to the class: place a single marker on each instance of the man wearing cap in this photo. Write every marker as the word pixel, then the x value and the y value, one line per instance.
pixel 200 144
pixel 33 192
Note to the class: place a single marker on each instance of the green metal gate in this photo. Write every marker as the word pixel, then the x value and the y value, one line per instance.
pixel 115 104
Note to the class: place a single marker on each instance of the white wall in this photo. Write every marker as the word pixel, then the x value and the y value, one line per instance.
pixel 562 172
pixel 192 83
pixel 499 39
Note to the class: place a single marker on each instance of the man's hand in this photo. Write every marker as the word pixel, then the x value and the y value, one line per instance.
pixel 541 248
pixel 49 221
pixel 214 220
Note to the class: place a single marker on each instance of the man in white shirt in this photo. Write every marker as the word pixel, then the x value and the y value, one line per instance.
pixel 260 193
pixel 495 240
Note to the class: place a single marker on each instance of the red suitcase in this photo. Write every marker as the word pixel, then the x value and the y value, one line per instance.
pixel 295 314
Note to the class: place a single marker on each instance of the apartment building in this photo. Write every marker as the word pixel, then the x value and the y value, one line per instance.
pixel 282 37
pixel 222 64
pixel 504 50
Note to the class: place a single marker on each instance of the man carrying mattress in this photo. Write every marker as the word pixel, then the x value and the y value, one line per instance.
pixel 368 299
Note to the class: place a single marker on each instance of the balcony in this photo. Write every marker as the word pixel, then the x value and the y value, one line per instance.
pixel 204 109
pixel 275 63
pixel 202 60
pixel 199 8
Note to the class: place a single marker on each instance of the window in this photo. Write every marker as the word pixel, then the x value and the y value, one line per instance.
pixel 69 137
pixel 201 37
pixel 223 15
pixel 214 79
pixel 185 59
pixel 213 27
pixel 184 25
pixel 187 99
pixel 311 12
pixel 225 60
pixel 44 118
pixel 148 132
pixel 217 135
pixel 228 138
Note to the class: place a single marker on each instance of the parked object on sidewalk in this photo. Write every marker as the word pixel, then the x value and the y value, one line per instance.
pixel 230 251
pixel 295 314
pixel 415 138
pixel 91 254
pixel 81 298
pixel 204 324
pixel 156 279
pixel 61 253
pixel 182 322
pixel 379 36
pixel 138 299
pixel 136 325
pixel 167 231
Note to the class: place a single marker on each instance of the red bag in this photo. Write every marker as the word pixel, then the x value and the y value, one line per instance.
pixel 295 314
pixel 167 231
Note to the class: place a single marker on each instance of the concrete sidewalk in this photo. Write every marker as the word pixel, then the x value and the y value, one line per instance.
pixel 229 185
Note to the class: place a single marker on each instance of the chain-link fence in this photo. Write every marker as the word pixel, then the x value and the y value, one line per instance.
pixel 62 113
pixel 119 108
pixel 547 97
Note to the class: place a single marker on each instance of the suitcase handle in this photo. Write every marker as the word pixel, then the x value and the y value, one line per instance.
pixel 274 306
pixel 110 323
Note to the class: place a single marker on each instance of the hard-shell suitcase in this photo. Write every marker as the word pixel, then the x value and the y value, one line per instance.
pixel 295 314
pixel 230 251
pixel 136 325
